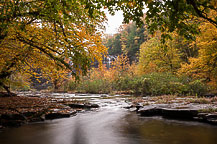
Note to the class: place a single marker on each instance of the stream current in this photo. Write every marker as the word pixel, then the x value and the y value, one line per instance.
pixel 110 124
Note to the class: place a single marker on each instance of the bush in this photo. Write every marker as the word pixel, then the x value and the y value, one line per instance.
pixel 94 86
pixel 160 84
pixel 108 81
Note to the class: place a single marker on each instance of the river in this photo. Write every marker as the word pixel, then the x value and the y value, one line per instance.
pixel 110 124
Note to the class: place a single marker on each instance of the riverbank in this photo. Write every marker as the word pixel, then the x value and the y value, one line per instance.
pixel 25 108
pixel 202 109
pixel 36 106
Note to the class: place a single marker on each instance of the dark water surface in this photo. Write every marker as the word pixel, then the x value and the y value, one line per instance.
pixel 111 124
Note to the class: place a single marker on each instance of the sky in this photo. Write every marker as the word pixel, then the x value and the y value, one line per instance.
pixel 114 22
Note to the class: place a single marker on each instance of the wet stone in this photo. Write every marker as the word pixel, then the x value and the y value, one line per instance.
pixel 212 121
pixel 211 116
pixel 169 113
pixel 12 117
pixel 179 113
pixel 151 112
pixel 12 123
pixel 29 114
pixel 83 106
pixel 36 119
pixel 56 115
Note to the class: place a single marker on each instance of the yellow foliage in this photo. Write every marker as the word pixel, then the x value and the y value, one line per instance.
pixel 157 57
pixel 45 46
pixel 205 65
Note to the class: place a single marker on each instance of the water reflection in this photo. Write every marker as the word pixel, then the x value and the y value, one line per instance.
pixel 79 136
pixel 111 125
pixel 161 131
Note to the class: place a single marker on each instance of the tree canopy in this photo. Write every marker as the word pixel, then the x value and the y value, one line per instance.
pixel 164 15
pixel 48 34
pixel 61 36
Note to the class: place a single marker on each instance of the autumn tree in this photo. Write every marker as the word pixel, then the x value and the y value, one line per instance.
pixel 48 34
pixel 204 66
pixel 157 57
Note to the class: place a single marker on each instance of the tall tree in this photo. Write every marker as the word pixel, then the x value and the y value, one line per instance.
pixel 114 44
pixel 127 41
pixel 131 39
pixel 157 57
pixel 205 64
pixel 47 34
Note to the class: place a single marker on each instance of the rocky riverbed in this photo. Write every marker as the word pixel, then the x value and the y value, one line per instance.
pixel 111 123
pixel 35 106
pixel 203 109
pixel 32 107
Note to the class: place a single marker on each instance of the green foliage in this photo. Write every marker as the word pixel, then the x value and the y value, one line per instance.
pixel 166 15
pixel 90 86
pixel 157 57
pixel 127 41
pixel 149 84
pixel 198 87
pixel 114 45
pixel 131 39
pixel 162 83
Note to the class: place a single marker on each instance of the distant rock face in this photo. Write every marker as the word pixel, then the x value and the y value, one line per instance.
pixel 43 84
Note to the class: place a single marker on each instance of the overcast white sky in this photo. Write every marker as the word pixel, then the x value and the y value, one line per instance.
pixel 113 22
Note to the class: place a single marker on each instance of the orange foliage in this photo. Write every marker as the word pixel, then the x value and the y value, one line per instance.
pixel 120 68
pixel 205 65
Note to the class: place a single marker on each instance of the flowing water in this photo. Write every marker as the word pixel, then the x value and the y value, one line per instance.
pixel 110 124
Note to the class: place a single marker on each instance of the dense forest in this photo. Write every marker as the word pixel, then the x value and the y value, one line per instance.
pixel 151 65
pixel 127 41
pixel 169 49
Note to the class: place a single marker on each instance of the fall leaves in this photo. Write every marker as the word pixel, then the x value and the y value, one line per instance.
pixel 205 64
pixel 57 37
